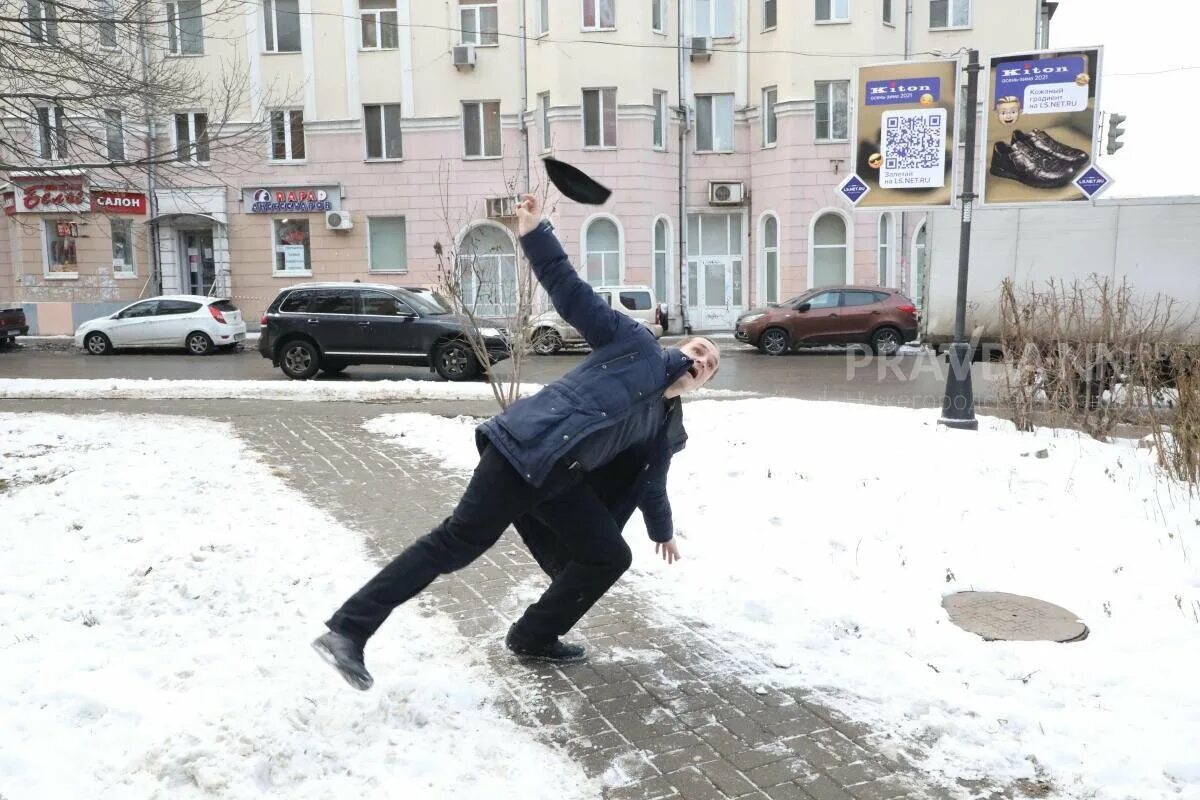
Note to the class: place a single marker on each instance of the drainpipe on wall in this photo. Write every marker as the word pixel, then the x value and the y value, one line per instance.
pixel 155 281
pixel 524 101
pixel 905 252
pixel 685 323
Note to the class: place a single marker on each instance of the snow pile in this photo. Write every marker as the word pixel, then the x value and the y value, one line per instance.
pixel 160 591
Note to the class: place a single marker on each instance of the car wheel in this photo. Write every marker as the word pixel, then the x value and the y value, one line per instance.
pixel 886 342
pixel 333 367
pixel 547 341
pixel 198 344
pixel 455 361
pixel 774 341
pixel 299 359
pixel 97 344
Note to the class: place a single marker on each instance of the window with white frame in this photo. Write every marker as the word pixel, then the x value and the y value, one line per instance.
pixel 106 26
pixel 602 252
pixel 829 250
pixel 949 13
pixel 382 123
pixel 544 119
pixel 185 28
pixel 43 21
pixel 658 16
pixel 770 14
pixel 478 23
pixel 715 18
pixel 660 120
pixel 121 231
pixel 543 17
pixel 52 132
pixel 833 10
pixel 378 20
pixel 287 135
pixel 292 245
pixel 770 258
pixel 833 111
pixel 714 123
pixel 62 251
pixel 885 249
pixel 599 15
pixel 481 129
pixel 599 117
pixel 662 258
pixel 487 264
pixel 191 136
pixel 387 244
pixel 770 125
pixel 114 134
pixel 887 13
pixel 281 25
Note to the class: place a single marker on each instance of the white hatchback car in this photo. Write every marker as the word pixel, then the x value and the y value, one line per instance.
pixel 196 323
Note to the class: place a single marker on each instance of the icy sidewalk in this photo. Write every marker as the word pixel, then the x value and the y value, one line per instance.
pixel 160 590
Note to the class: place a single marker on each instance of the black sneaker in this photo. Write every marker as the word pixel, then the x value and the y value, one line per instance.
pixel 346 656
pixel 555 650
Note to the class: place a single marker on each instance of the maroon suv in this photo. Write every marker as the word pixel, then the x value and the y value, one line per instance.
pixel 882 319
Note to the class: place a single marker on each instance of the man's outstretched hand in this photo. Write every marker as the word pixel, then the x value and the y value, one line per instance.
pixel 669 550
pixel 529 214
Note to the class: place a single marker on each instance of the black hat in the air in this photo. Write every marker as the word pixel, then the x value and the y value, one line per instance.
pixel 575 183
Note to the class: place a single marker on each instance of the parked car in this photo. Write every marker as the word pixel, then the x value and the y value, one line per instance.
pixel 196 323
pixel 328 327
pixel 882 319
pixel 549 333
pixel 12 324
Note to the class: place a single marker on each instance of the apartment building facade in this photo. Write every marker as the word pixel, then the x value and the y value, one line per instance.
pixel 395 129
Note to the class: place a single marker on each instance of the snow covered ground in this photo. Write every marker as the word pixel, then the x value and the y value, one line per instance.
pixel 835 531
pixel 160 588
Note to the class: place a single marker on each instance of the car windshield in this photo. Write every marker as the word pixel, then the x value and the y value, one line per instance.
pixel 424 304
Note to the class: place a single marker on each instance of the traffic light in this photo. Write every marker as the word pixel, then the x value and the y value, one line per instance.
pixel 1115 132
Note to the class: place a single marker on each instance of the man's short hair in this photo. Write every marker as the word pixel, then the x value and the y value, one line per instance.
pixel 714 345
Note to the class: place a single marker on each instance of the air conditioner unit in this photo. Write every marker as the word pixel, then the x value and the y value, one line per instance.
pixel 338 220
pixel 464 56
pixel 501 207
pixel 701 48
pixel 726 193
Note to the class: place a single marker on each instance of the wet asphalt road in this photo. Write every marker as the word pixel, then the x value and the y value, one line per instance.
pixel 913 380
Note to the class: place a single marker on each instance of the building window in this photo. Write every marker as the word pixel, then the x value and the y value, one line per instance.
pixel 293 249
pixel 122 247
pixel 114 134
pixel 544 117
pixel 191 136
pixel 43 21
pixel 949 13
pixel 833 111
pixel 599 15
pixel 770 15
pixel 714 123
pixel 662 258
pixel 599 117
pixel 481 129
pixel 770 126
pixel 920 266
pixel 885 249
pixel 658 17
pixel 487 263
pixel 715 18
pixel 387 244
pixel 106 27
pixel 185 28
pixel 543 20
pixel 383 131
pixel 829 251
pixel 770 258
pixel 61 252
pixel 478 23
pixel 887 13
pixel 281 23
pixel 378 21
pixel 602 252
pixel 833 10
pixel 52 132
pixel 287 135
pixel 660 120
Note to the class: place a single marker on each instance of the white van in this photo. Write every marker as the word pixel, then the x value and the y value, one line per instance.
pixel 549 333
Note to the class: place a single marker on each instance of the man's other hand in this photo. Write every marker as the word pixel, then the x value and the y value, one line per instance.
pixel 669 550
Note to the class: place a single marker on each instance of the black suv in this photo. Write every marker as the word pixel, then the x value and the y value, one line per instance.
pixel 330 326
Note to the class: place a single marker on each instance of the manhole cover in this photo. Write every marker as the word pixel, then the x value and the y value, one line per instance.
pixel 998 616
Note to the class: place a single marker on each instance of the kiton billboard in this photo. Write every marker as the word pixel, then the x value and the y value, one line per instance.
pixel 304 200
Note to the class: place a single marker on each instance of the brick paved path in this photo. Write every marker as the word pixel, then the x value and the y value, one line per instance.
pixel 660 710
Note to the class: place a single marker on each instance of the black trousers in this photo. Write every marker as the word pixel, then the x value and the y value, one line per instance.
pixel 590 549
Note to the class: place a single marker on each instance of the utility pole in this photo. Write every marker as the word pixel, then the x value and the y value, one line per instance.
pixel 683 133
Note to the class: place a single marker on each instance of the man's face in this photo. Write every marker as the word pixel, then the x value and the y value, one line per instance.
pixel 705 359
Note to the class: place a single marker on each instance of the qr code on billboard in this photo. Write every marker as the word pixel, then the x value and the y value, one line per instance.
pixel 914 149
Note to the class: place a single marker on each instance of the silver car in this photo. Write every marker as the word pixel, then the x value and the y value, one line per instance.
pixel 549 333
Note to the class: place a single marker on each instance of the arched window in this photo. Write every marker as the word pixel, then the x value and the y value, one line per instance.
pixel 885 249
pixel 487 262
pixel 662 258
pixel 770 258
pixel 920 266
pixel 828 250
pixel 602 249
